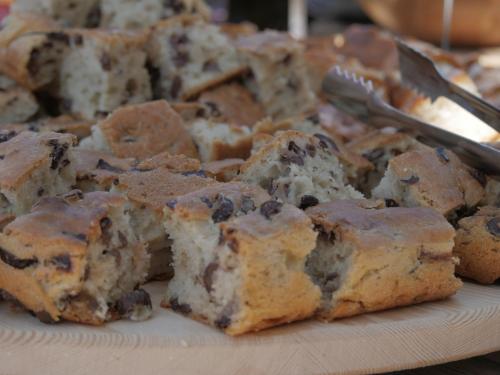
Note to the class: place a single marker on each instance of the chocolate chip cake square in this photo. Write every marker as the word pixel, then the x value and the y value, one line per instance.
pixel 190 56
pixel 433 178
pixel 76 258
pixel 279 75
pixel 78 13
pixel 218 140
pixel 371 258
pixel 239 259
pixel 148 190
pixel 477 245
pixel 102 70
pixel 299 169
pixel 33 166
pixel 142 131
pixel 60 124
pixel 132 14
pixel 30 50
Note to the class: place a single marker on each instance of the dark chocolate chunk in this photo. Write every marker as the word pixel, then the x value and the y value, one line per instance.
pixel 182 308
pixel 211 66
pixel 214 109
pixel 123 239
pixel 223 322
pixel 94 17
pixel 58 151
pixel 479 176
pixel 127 304
pixel 271 189
pixel 442 155
pixel 374 154
pixel 15 262
pixel 105 61
pixel 308 201
pixel 391 203
pixel 33 66
pixel 176 40
pixel 129 139
pixel 292 146
pixel 224 211
pixel 105 225
pixel 208 276
pixel 73 195
pixel 40 192
pixel 270 208
pixel 4 137
pixel 326 142
pixel 412 180
pixel 493 226
pixel 58 36
pixel 172 203
pixel 207 201
pixel 62 262
pixel 103 164
pixel 311 150
pixel 180 59
pixel 314 118
pixel 200 173
pixel 176 87
pixel 292 158
pixel 247 204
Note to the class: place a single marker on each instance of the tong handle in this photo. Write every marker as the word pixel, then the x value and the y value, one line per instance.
pixel 477 106
pixel 477 155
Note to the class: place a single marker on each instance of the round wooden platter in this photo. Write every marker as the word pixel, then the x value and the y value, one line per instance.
pixel 463 326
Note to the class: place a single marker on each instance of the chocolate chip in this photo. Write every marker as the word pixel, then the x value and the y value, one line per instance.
pixel 58 37
pixel 4 137
pixel 412 180
pixel 33 67
pixel 105 225
pixel 326 142
pixel 78 236
pixel 171 204
pixel 214 109
pixel 78 39
pixel 391 203
pixel 73 195
pixel 58 151
pixel 181 59
pixel 207 201
pixel 40 192
pixel 292 158
pixel 494 226
pixel 123 239
pixel 292 146
pixel 199 173
pixel 223 322
pixel 94 17
pixel 176 5
pixel 270 208
pixel 374 154
pixel 314 118
pixel 211 66
pixel 311 150
pixel 247 204
pixel 478 176
pixel 224 211
pixel 308 201
pixel 287 59
pixel 272 188
pixel 176 87
pixel 129 139
pixel 176 40
pixel 182 308
pixel 127 304
pixel 15 262
pixel 103 164
pixel 442 155
pixel 62 262
pixel 208 276
pixel 105 61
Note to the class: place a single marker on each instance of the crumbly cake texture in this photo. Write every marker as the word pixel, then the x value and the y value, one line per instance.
pixel 148 190
pixel 131 14
pixel 30 49
pixel 76 258
pixel 223 170
pixel 61 124
pixel 279 75
pixel 378 147
pixel 80 13
pixel 299 169
pixel 16 105
pixel 371 258
pixel 102 70
pixel 189 55
pixel 433 178
pixel 142 131
pixel 97 170
pixel 233 103
pixel 33 166
pixel 477 245
pixel 239 259
pixel 354 165
pixel 217 140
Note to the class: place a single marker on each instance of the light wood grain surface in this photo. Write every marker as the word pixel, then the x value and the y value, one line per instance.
pixel 464 326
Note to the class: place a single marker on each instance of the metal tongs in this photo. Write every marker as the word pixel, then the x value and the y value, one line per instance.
pixel 357 97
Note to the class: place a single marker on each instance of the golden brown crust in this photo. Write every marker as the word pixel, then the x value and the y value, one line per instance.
pixel 145 130
pixel 223 170
pixel 478 246
pixel 236 30
pixel 174 163
pixel 61 124
pixel 25 152
pixel 234 103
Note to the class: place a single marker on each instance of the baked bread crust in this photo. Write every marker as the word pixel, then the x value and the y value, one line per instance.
pixel 478 246
pixel 395 257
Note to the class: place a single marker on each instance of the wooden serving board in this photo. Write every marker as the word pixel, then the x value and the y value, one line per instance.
pixel 463 326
